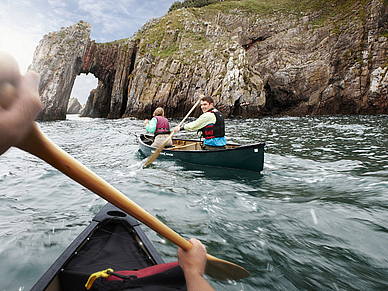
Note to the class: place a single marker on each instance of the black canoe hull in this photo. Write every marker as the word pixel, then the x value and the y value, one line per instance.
pixel 118 229
pixel 247 157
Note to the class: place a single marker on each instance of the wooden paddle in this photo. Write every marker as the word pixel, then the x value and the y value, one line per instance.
pixel 39 145
pixel 157 152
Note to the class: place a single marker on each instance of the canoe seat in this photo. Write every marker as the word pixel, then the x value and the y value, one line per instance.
pixel 190 146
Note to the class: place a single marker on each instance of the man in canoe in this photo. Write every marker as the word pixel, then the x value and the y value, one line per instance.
pixel 159 126
pixel 19 106
pixel 211 123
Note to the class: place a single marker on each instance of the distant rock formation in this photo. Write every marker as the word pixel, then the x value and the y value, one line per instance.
pixel 58 59
pixel 98 104
pixel 253 64
pixel 74 106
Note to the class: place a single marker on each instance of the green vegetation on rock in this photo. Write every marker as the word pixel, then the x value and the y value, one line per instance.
pixel 164 38
pixel 191 3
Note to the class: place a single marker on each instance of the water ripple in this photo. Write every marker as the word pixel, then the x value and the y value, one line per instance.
pixel 314 219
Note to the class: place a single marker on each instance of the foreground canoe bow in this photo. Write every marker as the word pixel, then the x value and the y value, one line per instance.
pixel 246 157
pixel 112 240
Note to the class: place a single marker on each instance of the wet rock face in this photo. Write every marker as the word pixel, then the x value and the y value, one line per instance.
pixel 98 103
pixel 111 64
pixel 252 65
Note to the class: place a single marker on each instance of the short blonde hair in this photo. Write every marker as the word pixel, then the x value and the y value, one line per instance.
pixel 159 112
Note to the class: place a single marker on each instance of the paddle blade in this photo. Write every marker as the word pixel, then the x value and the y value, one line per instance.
pixel 224 270
pixel 157 152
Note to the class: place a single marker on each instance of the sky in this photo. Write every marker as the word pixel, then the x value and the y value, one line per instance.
pixel 23 23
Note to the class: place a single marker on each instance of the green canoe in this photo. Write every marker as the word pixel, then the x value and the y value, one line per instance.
pixel 247 157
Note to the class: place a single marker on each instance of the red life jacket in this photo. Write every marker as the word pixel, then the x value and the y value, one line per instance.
pixel 214 130
pixel 166 277
pixel 162 125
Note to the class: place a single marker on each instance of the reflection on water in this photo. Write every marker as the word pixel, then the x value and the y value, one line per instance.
pixel 314 219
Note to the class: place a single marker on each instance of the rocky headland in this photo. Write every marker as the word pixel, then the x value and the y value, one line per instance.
pixel 254 58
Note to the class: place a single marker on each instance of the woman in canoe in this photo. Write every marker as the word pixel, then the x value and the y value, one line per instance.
pixel 159 126
pixel 19 106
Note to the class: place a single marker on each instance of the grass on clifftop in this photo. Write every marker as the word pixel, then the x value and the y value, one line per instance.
pixel 161 38
pixel 326 8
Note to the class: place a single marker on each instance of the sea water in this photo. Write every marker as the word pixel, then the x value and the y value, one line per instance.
pixel 316 217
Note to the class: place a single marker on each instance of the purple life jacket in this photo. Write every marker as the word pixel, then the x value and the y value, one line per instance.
pixel 162 125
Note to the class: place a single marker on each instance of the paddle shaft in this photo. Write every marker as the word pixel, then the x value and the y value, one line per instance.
pixel 42 147
pixel 188 114
pixel 157 152
pixel 39 145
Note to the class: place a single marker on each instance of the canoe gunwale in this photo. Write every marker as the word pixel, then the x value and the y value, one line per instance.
pixel 235 146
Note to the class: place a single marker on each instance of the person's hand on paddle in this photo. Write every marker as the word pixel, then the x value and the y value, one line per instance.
pixel 19 102
pixel 177 128
pixel 193 263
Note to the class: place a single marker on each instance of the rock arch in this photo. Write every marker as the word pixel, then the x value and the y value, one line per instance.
pixel 62 55
pixel 111 64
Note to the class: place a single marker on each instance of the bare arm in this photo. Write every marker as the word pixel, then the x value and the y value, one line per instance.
pixel 19 102
pixel 193 263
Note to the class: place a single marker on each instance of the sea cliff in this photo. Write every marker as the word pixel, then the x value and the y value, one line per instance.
pixel 254 58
